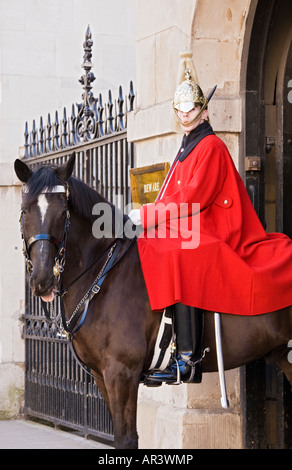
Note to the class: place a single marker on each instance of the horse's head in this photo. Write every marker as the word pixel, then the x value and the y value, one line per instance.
pixel 44 223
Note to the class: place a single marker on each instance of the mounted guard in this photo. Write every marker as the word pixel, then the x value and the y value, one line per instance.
pixel 236 267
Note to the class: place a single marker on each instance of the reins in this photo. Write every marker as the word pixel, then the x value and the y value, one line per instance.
pixel 92 291
pixel 64 291
pixel 82 306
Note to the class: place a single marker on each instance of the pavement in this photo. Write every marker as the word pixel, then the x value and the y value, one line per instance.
pixel 23 434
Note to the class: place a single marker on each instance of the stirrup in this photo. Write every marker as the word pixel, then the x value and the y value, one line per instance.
pixel 196 368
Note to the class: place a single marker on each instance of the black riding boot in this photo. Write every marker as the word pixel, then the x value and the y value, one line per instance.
pixel 188 324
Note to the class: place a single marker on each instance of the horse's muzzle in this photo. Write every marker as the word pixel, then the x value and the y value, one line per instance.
pixel 43 288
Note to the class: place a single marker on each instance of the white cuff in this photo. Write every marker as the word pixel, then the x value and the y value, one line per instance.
pixel 135 216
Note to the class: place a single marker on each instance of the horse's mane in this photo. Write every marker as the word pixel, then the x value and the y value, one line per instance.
pixel 82 198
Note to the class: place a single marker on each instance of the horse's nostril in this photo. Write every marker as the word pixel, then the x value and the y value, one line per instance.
pixel 42 287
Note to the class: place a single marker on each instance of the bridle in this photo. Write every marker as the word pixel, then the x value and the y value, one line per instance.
pixel 79 314
pixel 111 260
pixel 59 244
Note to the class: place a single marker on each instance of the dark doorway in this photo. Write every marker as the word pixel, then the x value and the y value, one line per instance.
pixel 268 397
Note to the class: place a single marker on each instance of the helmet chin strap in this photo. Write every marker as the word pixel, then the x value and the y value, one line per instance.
pixel 187 124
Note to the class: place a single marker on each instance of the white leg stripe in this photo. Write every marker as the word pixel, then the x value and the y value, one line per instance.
pixel 157 349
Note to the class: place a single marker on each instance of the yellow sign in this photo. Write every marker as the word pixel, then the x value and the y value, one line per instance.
pixel 147 181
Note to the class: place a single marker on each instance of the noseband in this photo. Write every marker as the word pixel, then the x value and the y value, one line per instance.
pixel 60 244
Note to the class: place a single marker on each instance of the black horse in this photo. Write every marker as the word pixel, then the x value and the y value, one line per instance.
pixel 118 334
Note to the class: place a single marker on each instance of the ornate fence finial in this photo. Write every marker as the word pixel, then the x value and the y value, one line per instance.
pixel 86 120
pixel 93 119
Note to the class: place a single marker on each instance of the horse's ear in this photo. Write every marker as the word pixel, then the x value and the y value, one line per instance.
pixel 66 170
pixel 22 171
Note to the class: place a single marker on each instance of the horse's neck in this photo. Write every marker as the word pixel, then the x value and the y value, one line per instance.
pixel 82 249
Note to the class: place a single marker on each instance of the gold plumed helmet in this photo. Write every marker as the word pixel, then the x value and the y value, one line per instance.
pixel 189 94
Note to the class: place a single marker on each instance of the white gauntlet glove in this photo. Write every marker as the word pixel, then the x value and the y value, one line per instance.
pixel 135 216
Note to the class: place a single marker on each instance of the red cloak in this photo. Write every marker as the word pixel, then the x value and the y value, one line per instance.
pixel 237 267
